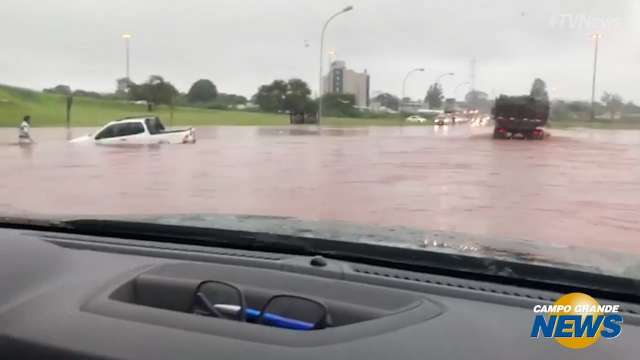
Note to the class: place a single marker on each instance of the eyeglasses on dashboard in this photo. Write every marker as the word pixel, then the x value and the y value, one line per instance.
pixel 226 301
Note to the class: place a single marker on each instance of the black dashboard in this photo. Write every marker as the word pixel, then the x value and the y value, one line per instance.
pixel 82 297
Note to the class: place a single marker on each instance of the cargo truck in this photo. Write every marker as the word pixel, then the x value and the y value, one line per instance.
pixel 520 117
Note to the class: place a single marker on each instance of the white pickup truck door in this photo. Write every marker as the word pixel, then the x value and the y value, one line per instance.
pixel 123 133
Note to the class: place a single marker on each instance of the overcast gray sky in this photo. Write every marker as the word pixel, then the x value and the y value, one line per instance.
pixel 241 44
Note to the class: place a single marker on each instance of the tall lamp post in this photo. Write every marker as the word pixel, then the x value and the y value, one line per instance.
pixel 596 39
pixel 443 75
pixel 324 28
pixel 404 82
pixel 127 38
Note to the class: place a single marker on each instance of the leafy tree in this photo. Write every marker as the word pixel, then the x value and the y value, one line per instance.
pixel 123 86
pixel 271 97
pixel 613 103
pixel 339 104
pixel 477 99
pixel 389 101
pixel 92 94
pixel 539 90
pixel 631 108
pixel 155 91
pixel 578 107
pixel 292 95
pixel 297 96
pixel 202 90
pixel 582 109
pixel 59 89
pixel 230 99
pixel 135 92
pixel 310 106
pixel 434 96
pixel 561 110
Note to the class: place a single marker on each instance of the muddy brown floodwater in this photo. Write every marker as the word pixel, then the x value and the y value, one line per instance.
pixel 579 187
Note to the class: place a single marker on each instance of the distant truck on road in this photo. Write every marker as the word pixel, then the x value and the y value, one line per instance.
pixel 450 106
pixel 520 116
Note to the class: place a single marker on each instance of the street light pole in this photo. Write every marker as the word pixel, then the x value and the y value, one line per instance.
pixel 127 38
pixel 441 76
pixel 324 28
pixel 404 82
pixel 596 38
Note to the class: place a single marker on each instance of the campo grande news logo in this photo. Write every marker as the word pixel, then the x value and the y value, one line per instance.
pixel 576 321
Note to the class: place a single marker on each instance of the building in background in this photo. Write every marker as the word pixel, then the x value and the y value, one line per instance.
pixel 341 80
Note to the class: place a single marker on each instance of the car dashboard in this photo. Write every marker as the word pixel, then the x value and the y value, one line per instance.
pixel 72 296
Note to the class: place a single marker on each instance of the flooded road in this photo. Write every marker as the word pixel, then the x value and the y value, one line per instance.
pixel 580 187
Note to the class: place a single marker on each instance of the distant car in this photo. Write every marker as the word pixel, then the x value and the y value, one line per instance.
pixel 442 120
pixel 461 118
pixel 138 131
pixel 416 119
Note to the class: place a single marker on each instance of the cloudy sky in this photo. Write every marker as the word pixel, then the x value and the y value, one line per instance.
pixel 240 44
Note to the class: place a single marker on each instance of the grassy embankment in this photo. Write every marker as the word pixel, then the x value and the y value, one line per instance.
pixel 48 110
pixel 624 123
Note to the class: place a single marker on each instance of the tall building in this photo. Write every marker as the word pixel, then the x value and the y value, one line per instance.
pixel 341 80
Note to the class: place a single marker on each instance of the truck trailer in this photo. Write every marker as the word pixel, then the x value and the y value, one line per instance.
pixel 520 117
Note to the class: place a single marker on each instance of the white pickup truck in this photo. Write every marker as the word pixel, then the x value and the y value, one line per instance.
pixel 139 131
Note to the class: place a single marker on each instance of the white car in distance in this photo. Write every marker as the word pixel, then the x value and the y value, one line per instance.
pixel 138 131
pixel 442 119
pixel 416 119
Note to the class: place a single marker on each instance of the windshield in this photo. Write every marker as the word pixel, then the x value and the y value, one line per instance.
pixel 510 124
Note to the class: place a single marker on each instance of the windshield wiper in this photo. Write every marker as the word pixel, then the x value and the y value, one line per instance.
pixel 443 263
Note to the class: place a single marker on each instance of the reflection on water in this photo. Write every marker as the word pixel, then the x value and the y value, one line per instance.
pixel 621 137
pixel 441 129
pixel 575 188
pixel 310 130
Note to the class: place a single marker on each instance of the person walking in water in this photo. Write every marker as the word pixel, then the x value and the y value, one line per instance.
pixel 24 131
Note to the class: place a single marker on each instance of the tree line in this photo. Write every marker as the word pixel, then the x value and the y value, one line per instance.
pixel 157 91
pixel 294 95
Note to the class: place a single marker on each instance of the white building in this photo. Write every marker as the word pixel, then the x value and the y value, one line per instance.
pixel 341 80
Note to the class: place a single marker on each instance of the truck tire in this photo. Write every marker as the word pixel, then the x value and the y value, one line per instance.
pixel 534 135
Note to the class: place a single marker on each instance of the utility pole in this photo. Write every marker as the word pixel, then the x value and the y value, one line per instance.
pixel 127 39
pixel 69 103
pixel 68 112
pixel 596 38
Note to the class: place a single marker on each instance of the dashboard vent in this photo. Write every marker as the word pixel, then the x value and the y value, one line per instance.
pixel 473 285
